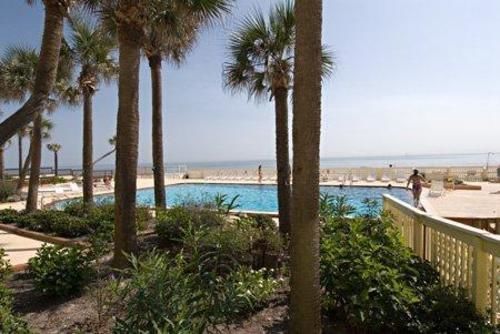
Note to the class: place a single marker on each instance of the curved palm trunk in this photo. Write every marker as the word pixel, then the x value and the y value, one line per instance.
pixel 56 163
pixel 36 160
pixel 282 158
pixel 305 306
pixel 24 170
pixel 126 145
pixel 88 166
pixel 2 164
pixel 20 153
pixel 157 131
pixel 45 73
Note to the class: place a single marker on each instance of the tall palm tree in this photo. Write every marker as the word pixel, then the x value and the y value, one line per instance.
pixel 170 35
pixel 47 127
pixel 130 19
pixel 21 134
pixel 46 70
pixel 92 48
pixel 112 142
pixel 305 306
pixel 55 148
pixel 261 62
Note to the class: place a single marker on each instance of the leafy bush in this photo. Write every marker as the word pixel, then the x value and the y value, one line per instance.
pixel 8 216
pixel 9 322
pixel 373 282
pixel 143 217
pixel 167 295
pixel 70 227
pixel 171 224
pixel 7 189
pixel 60 271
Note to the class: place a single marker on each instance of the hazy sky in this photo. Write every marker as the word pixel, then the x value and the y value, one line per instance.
pixel 413 77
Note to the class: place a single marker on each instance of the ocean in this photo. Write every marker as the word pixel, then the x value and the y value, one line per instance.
pixel 430 160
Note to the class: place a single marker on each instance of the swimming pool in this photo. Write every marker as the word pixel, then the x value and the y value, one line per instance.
pixel 254 197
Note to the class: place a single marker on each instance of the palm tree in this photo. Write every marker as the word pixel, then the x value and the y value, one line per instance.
pixel 92 48
pixel 55 148
pixel 20 136
pixel 261 63
pixel 112 142
pixel 46 70
pixel 47 127
pixel 170 35
pixel 305 306
pixel 130 18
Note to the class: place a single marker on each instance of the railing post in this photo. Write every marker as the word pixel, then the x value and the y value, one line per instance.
pixel 418 240
pixel 480 277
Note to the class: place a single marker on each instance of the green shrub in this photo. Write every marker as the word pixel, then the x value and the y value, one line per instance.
pixel 161 296
pixel 171 224
pixel 60 271
pixel 7 189
pixel 9 322
pixel 8 216
pixel 70 227
pixel 376 285
pixel 164 295
pixel 143 217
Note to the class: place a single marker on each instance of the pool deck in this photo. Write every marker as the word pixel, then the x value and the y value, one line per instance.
pixel 455 203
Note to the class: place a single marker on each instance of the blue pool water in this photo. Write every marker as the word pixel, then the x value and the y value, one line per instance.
pixel 255 197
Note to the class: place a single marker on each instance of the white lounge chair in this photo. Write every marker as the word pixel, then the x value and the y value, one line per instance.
pixel 354 178
pixel 401 179
pixel 437 188
pixel 385 178
pixel 370 178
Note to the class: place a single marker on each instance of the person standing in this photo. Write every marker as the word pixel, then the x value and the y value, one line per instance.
pixel 259 173
pixel 416 179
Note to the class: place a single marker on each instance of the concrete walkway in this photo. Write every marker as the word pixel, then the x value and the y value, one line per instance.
pixel 18 249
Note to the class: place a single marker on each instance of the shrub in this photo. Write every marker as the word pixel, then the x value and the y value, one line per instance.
pixel 161 296
pixel 70 227
pixel 8 216
pixel 60 271
pixel 377 285
pixel 9 322
pixel 171 224
pixel 7 189
pixel 143 217
pixel 165 295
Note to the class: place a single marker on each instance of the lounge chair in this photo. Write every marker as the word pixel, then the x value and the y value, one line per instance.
pixel 401 179
pixel 437 188
pixel 370 178
pixel 354 178
pixel 385 178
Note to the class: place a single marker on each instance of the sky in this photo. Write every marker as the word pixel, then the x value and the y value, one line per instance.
pixel 412 77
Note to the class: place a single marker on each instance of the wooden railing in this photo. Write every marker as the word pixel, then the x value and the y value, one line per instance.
pixel 464 256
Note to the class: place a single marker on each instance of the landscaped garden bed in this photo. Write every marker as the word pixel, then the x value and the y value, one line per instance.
pixel 202 270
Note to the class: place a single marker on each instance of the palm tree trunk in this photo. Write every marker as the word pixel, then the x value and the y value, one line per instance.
pixel 36 160
pixel 157 131
pixel 24 170
pixel 305 306
pixel 2 163
pixel 56 163
pixel 282 158
pixel 88 167
pixel 20 153
pixel 127 143
pixel 45 73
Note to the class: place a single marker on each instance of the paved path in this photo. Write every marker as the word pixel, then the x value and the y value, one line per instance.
pixel 19 249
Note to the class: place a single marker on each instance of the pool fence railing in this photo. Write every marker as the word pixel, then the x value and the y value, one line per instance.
pixel 465 257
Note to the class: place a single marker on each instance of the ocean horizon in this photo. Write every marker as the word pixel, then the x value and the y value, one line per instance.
pixel 423 160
